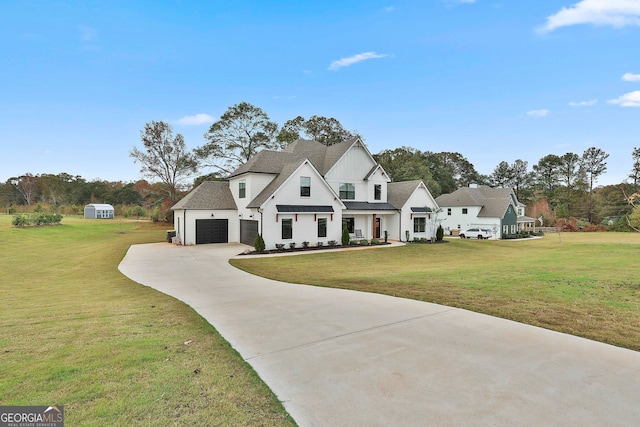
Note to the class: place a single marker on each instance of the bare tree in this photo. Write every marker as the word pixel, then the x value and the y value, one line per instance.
pixel 165 157
pixel 594 163
pixel 26 185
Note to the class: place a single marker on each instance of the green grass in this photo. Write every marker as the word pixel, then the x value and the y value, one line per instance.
pixel 586 284
pixel 78 333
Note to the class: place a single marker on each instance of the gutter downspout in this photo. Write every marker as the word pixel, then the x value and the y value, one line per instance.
pixel 261 222
pixel 184 228
pixel 400 225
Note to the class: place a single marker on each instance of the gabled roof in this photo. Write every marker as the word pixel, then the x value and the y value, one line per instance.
pixel 285 173
pixel 208 195
pixel 322 157
pixel 493 201
pixel 398 193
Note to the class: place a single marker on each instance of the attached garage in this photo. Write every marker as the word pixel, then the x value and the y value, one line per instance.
pixel 212 231
pixel 208 214
pixel 248 231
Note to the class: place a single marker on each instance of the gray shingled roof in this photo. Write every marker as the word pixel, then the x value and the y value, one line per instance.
pixel 494 201
pixel 322 157
pixel 208 195
pixel 399 192
pixel 285 173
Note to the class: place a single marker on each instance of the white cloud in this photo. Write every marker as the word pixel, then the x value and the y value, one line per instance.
pixel 389 9
pixel 631 99
pixel 345 62
pixel 198 119
pixel 629 77
pixel 617 13
pixel 584 103
pixel 538 113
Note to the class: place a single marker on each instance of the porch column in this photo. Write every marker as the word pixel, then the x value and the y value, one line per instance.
pixel 373 227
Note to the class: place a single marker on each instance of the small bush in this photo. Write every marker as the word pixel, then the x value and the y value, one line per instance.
pixel 332 243
pixel 36 219
pixel 280 246
pixel 258 243
pixel 375 241
pixel 364 242
pixel 439 234
pixel 305 245
pixel 320 244
pixel 292 245
pixel 345 236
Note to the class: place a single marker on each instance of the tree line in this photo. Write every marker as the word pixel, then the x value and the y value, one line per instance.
pixel 559 186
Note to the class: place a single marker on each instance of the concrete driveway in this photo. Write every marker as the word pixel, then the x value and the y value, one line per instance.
pixel 346 358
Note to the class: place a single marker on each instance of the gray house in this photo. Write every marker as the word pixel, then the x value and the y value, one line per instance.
pixel 497 209
pixel 99 211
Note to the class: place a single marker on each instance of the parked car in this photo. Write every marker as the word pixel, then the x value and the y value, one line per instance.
pixel 476 233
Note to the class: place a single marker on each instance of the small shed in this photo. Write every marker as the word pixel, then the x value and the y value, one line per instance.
pixel 99 211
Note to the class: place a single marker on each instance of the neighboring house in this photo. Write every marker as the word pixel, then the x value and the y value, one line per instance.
pixel 497 209
pixel 306 193
pixel 99 211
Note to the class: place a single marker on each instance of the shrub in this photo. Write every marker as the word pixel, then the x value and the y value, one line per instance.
pixel 439 233
pixel 375 241
pixel 305 245
pixel 19 220
pixel 280 246
pixel 332 243
pixel 364 242
pixel 345 236
pixel 258 243
pixel 292 245
pixel 320 244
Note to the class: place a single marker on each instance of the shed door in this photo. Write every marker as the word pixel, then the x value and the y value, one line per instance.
pixel 212 231
pixel 248 231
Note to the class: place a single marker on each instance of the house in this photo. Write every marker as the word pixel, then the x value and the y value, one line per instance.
pixel 306 193
pixel 99 211
pixel 497 209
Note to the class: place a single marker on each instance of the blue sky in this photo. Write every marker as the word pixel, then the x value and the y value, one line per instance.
pixel 492 79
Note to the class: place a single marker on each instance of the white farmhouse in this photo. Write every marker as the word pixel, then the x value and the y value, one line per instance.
pixel 308 192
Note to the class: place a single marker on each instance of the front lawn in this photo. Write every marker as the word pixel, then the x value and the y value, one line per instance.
pixel 586 284
pixel 78 333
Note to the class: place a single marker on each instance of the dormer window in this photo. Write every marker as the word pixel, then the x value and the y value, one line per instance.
pixel 242 189
pixel 305 186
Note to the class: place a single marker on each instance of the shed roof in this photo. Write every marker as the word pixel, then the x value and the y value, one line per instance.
pixel 102 206
pixel 208 195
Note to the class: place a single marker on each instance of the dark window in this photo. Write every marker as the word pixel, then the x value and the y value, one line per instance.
pixel 347 191
pixel 419 225
pixel 242 189
pixel 464 210
pixel 287 229
pixel 377 192
pixel 305 186
pixel 322 227
pixel 449 211
pixel 349 223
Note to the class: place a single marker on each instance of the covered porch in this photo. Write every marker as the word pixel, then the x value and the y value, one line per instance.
pixel 364 220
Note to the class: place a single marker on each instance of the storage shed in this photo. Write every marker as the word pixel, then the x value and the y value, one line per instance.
pixel 99 211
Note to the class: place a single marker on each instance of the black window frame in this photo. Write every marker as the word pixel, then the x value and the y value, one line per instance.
pixel 305 190
pixel 377 192
pixel 347 191
pixel 418 223
pixel 322 227
pixel 242 189
pixel 350 224
pixel 287 229
pixel 465 211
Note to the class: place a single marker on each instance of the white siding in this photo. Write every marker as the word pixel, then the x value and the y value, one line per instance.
pixel 404 222
pixel 188 236
pixel 305 226
pixel 352 168
pixel 255 183
pixel 377 178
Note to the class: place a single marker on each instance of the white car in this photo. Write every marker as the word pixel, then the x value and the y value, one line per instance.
pixel 476 233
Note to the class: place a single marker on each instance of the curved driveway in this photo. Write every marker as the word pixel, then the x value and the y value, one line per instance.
pixel 344 358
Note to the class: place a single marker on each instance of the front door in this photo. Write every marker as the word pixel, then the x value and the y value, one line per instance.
pixel 376 228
